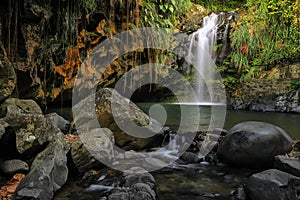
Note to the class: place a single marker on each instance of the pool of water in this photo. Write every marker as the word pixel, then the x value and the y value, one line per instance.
pixel 290 122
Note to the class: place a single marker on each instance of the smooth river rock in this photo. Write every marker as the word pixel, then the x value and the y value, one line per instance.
pixel 254 145
pixel 273 184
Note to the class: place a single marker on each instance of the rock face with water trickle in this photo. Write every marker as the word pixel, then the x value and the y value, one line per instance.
pixel 273 184
pixel 254 144
pixel 113 115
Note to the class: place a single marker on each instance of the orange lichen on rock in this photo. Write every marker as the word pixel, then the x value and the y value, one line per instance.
pixel 69 138
pixel 71 66
pixel 7 191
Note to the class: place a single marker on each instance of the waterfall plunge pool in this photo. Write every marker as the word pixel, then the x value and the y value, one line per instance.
pixel 287 121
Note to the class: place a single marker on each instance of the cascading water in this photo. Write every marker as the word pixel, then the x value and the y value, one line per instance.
pixel 201 54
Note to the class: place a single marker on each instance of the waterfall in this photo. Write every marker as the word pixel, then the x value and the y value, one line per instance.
pixel 201 54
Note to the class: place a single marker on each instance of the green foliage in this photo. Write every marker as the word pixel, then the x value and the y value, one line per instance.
pixel 89 5
pixel 220 5
pixel 162 13
pixel 267 34
pixel 295 84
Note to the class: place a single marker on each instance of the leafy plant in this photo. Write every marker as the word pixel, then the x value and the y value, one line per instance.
pixel 163 13
pixel 220 5
pixel 295 84
pixel 267 34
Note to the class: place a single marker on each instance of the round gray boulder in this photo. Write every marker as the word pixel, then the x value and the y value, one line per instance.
pixel 254 144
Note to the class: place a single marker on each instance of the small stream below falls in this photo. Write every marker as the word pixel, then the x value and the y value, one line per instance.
pixel 192 181
pixel 199 182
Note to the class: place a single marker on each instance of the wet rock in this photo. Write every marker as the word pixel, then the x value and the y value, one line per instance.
pixel 14 166
pixel 2 130
pixel 254 144
pixel 139 184
pixel 297 146
pixel 190 157
pixel 143 190
pixel 94 145
pixel 289 165
pixel 48 172
pixel 273 184
pixel 8 80
pixel 219 131
pixel 239 194
pixel 58 121
pixel 28 122
pixel 116 118
pixel 119 196
pixel 146 178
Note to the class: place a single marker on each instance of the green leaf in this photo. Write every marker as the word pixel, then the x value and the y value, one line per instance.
pixel 171 8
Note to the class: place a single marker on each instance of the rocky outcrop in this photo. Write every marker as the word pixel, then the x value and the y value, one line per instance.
pixel 28 122
pixel 41 42
pixel 119 116
pixel 273 185
pixel 254 144
pixel 48 172
pixel 276 90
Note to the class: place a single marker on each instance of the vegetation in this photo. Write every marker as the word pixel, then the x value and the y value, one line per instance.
pixel 295 84
pixel 162 13
pixel 266 35
pixel 220 5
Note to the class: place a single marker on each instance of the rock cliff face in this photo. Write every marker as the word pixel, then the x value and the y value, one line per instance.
pixel 276 90
pixel 44 42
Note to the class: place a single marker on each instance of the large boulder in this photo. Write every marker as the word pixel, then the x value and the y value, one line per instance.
pixel 254 144
pixel 108 117
pixel 94 146
pixel 48 173
pixel 28 122
pixel 8 80
pixel 273 184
